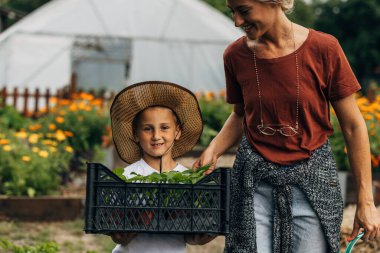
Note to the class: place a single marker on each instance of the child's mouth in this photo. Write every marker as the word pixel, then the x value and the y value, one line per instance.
pixel 157 145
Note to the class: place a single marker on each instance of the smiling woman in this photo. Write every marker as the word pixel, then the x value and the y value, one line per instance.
pixel 281 78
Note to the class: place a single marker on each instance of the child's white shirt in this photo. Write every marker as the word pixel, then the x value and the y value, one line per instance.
pixel 152 243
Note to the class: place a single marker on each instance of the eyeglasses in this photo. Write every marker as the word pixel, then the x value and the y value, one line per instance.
pixel 285 130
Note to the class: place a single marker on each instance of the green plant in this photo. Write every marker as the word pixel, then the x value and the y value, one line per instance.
pixel 31 164
pixel 371 115
pixel 49 247
pixel 215 112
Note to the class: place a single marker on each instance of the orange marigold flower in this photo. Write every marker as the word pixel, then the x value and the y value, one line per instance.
pixel 52 126
pixel 59 120
pixel 209 95
pixel 368 117
pixel 97 102
pixel 73 107
pixel 62 112
pixel 53 100
pixel 68 134
pixel 4 141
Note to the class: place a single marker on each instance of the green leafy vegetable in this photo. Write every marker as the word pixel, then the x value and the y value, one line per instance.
pixel 188 176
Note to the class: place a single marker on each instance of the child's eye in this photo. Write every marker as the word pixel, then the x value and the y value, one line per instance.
pixel 165 127
pixel 147 129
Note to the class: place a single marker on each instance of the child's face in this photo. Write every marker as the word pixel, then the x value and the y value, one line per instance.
pixel 156 131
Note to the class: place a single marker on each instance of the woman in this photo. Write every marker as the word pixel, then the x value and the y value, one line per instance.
pixel 281 78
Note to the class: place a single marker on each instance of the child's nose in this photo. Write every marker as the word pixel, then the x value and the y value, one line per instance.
pixel 155 135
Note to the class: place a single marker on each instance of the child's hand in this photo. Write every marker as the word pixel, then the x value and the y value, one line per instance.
pixel 199 239
pixel 123 238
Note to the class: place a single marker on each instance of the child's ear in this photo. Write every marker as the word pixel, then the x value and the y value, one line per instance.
pixel 178 133
pixel 135 138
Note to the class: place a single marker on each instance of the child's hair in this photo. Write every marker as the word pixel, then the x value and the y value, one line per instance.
pixel 136 119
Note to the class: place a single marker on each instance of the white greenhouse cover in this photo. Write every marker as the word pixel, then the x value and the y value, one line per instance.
pixel 114 43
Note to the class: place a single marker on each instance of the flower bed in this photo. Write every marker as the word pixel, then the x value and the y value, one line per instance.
pixel 36 155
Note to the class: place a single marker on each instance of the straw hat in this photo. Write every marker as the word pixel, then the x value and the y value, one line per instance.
pixel 135 98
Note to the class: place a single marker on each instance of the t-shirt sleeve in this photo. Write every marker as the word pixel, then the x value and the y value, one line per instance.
pixel 233 90
pixel 341 79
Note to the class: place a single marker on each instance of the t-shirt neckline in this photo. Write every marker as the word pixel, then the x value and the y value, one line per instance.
pixel 248 50
pixel 146 165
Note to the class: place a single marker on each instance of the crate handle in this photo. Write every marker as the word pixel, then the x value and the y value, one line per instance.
pixel 351 245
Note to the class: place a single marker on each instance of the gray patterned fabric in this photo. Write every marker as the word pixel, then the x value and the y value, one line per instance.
pixel 316 177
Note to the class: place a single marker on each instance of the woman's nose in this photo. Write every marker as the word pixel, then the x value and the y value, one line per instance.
pixel 238 20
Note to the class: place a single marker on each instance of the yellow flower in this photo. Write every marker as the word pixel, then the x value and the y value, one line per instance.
pixel 69 149
pixel 52 127
pixel 60 120
pixel 21 135
pixel 4 141
pixel 7 148
pixel 368 117
pixel 25 158
pixel 62 112
pixel 59 135
pixel 35 150
pixel 53 149
pixel 33 138
pixel 87 108
pixel 43 153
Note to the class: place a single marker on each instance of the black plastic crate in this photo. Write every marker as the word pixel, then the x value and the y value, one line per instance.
pixel 115 206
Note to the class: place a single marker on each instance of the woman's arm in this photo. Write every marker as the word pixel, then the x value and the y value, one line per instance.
pixel 229 135
pixel 356 137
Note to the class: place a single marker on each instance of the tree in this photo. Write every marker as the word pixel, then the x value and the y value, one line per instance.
pixel 355 23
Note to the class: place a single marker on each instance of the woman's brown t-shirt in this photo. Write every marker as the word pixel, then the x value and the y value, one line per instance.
pixel 325 75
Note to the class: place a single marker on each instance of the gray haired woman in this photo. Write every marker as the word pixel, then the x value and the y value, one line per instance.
pixel 281 78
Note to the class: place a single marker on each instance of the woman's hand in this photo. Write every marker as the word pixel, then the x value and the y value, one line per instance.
pixel 208 157
pixel 123 238
pixel 368 218
pixel 199 239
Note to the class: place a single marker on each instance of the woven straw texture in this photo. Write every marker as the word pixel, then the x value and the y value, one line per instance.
pixel 138 97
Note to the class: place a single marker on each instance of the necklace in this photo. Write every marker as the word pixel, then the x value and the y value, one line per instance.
pixel 271 129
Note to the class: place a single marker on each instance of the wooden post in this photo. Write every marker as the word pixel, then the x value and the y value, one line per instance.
pixel 36 100
pixel 26 97
pixel 15 96
pixel 73 84
pixel 4 96
pixel 47 99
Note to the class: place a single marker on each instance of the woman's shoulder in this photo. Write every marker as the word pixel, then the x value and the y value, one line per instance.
pixel 323 39
pixel 234 46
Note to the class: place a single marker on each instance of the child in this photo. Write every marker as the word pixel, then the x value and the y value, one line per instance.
pixel 153 123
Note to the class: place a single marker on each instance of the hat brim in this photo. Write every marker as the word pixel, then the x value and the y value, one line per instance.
pixel 135 98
